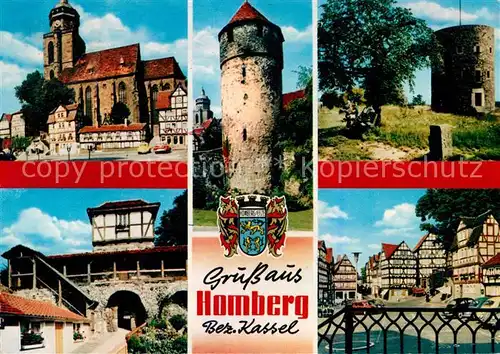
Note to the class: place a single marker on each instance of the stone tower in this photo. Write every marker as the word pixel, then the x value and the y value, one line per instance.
pixel 465 80
pixel 202 111
pixel 251 59
pixel 62 46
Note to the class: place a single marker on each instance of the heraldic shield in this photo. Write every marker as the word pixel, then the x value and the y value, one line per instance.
pixel 252 223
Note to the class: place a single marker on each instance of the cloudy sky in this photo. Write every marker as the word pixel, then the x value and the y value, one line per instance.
pixel 360 220
pixel 210 16
pixel 160 26
pixel 55 221
pixel 445 13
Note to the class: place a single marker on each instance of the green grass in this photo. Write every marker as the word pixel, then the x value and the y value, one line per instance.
pixel 401 127
pixel 298 220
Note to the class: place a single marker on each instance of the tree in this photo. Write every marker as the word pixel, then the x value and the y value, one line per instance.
pixel 363 275
pixel 39 97
pixel 441 210
pixel 20 143
pixel 418 101
pixel 119 113
pixel 173 230
pixel 372 44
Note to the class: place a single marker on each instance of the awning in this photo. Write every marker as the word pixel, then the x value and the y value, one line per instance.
pixel 445 290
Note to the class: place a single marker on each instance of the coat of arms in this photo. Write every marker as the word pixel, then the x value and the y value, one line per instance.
pixel 252 223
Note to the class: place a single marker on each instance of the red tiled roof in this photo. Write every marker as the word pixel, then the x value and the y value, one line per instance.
pixel 207 123
pixel 7 116
pixel 495 261
pixel 165 249
pixel 163 100
pixel 103 64
pixel 292 96
pixel 419 244
pixel 329 255
pixel 389 249
pixel 16 305
pixel 113 128
pixel 160 68
pixel 247 13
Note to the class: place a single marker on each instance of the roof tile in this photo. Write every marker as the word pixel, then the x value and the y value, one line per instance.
pixel 246 13
pixel 113 128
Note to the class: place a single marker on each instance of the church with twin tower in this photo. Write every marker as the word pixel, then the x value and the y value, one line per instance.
pixel 101 79
pixel 251 60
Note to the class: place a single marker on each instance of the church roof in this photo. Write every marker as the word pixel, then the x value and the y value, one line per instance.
pixel 247 13
pixel 160 68
pixel 103 64
pixel 163 100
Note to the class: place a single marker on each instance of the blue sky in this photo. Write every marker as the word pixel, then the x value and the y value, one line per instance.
pixel 359 220
pixel 160 26
pixel 55 221
pixel 444 13
pixel 210 16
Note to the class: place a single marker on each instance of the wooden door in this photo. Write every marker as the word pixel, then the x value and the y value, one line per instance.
pixel 59 338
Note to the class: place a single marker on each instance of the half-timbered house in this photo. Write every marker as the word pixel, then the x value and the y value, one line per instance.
pixel 491 276
pixel 398 271
pixel 372 274
pixel 173 116
pixel 123 225
pixel 345 279
pixel 431 259
pixel 324 272
pixel 477 241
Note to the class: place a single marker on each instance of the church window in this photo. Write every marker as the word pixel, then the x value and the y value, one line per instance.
pixel 80 97
pixel 50 52
pixel 155 93
pixel 166 87
pixel 88 102
pixel 121 92
pixel 51 74
pixel 197 119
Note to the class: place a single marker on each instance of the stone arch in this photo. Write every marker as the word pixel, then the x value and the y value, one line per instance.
pixel 50 52
pixel 131 312
pixel 174 303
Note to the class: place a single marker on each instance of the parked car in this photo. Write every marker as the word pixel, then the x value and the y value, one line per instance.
pixel 360 306
pixel 490 318
pixel 143 149
pixel 162 149
pixel 376 303
pixel 7 156
pixel 458 306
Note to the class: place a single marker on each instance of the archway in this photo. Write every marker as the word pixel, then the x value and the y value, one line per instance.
pixel 173 302
pixel 131 311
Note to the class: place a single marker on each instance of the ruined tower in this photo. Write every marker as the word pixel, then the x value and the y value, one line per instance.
pixel 465 80
pixel 62 46
pixel 251 59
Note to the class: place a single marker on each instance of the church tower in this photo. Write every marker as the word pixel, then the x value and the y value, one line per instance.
pixel 202 111
pixel 62 46
pixel 251 59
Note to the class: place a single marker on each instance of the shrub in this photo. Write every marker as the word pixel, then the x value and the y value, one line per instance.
pixel 177 321
pixel 180 345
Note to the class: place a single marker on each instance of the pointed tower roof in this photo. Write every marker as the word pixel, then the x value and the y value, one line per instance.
pixel 247 13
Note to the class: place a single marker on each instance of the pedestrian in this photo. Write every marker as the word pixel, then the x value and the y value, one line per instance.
pixel 427 297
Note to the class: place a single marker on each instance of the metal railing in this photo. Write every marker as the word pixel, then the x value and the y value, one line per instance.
pixel 410 330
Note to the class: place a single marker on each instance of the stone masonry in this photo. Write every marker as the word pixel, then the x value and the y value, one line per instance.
pixel 251 54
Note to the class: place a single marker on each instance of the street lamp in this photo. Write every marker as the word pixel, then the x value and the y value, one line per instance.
pixel 356 259
pixel 68 149
pixel 90 147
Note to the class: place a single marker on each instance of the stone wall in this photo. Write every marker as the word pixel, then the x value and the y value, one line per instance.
pixel 251 94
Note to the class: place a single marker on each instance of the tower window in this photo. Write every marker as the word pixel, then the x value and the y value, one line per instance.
pixel 478 75
pixel 491 50
pixel 488 74
pixel 478 99
pixel 230 35
pixel 477 49
pixel 244 134
pixel 88 102
pixel 260 30
pixel 51 74
pixel 244 71
pixel 121 92
pixel 50 52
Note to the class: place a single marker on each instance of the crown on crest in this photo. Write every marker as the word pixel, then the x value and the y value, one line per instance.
pixel 252 201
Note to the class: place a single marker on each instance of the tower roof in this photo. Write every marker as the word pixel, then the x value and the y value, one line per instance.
pixel 247 13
